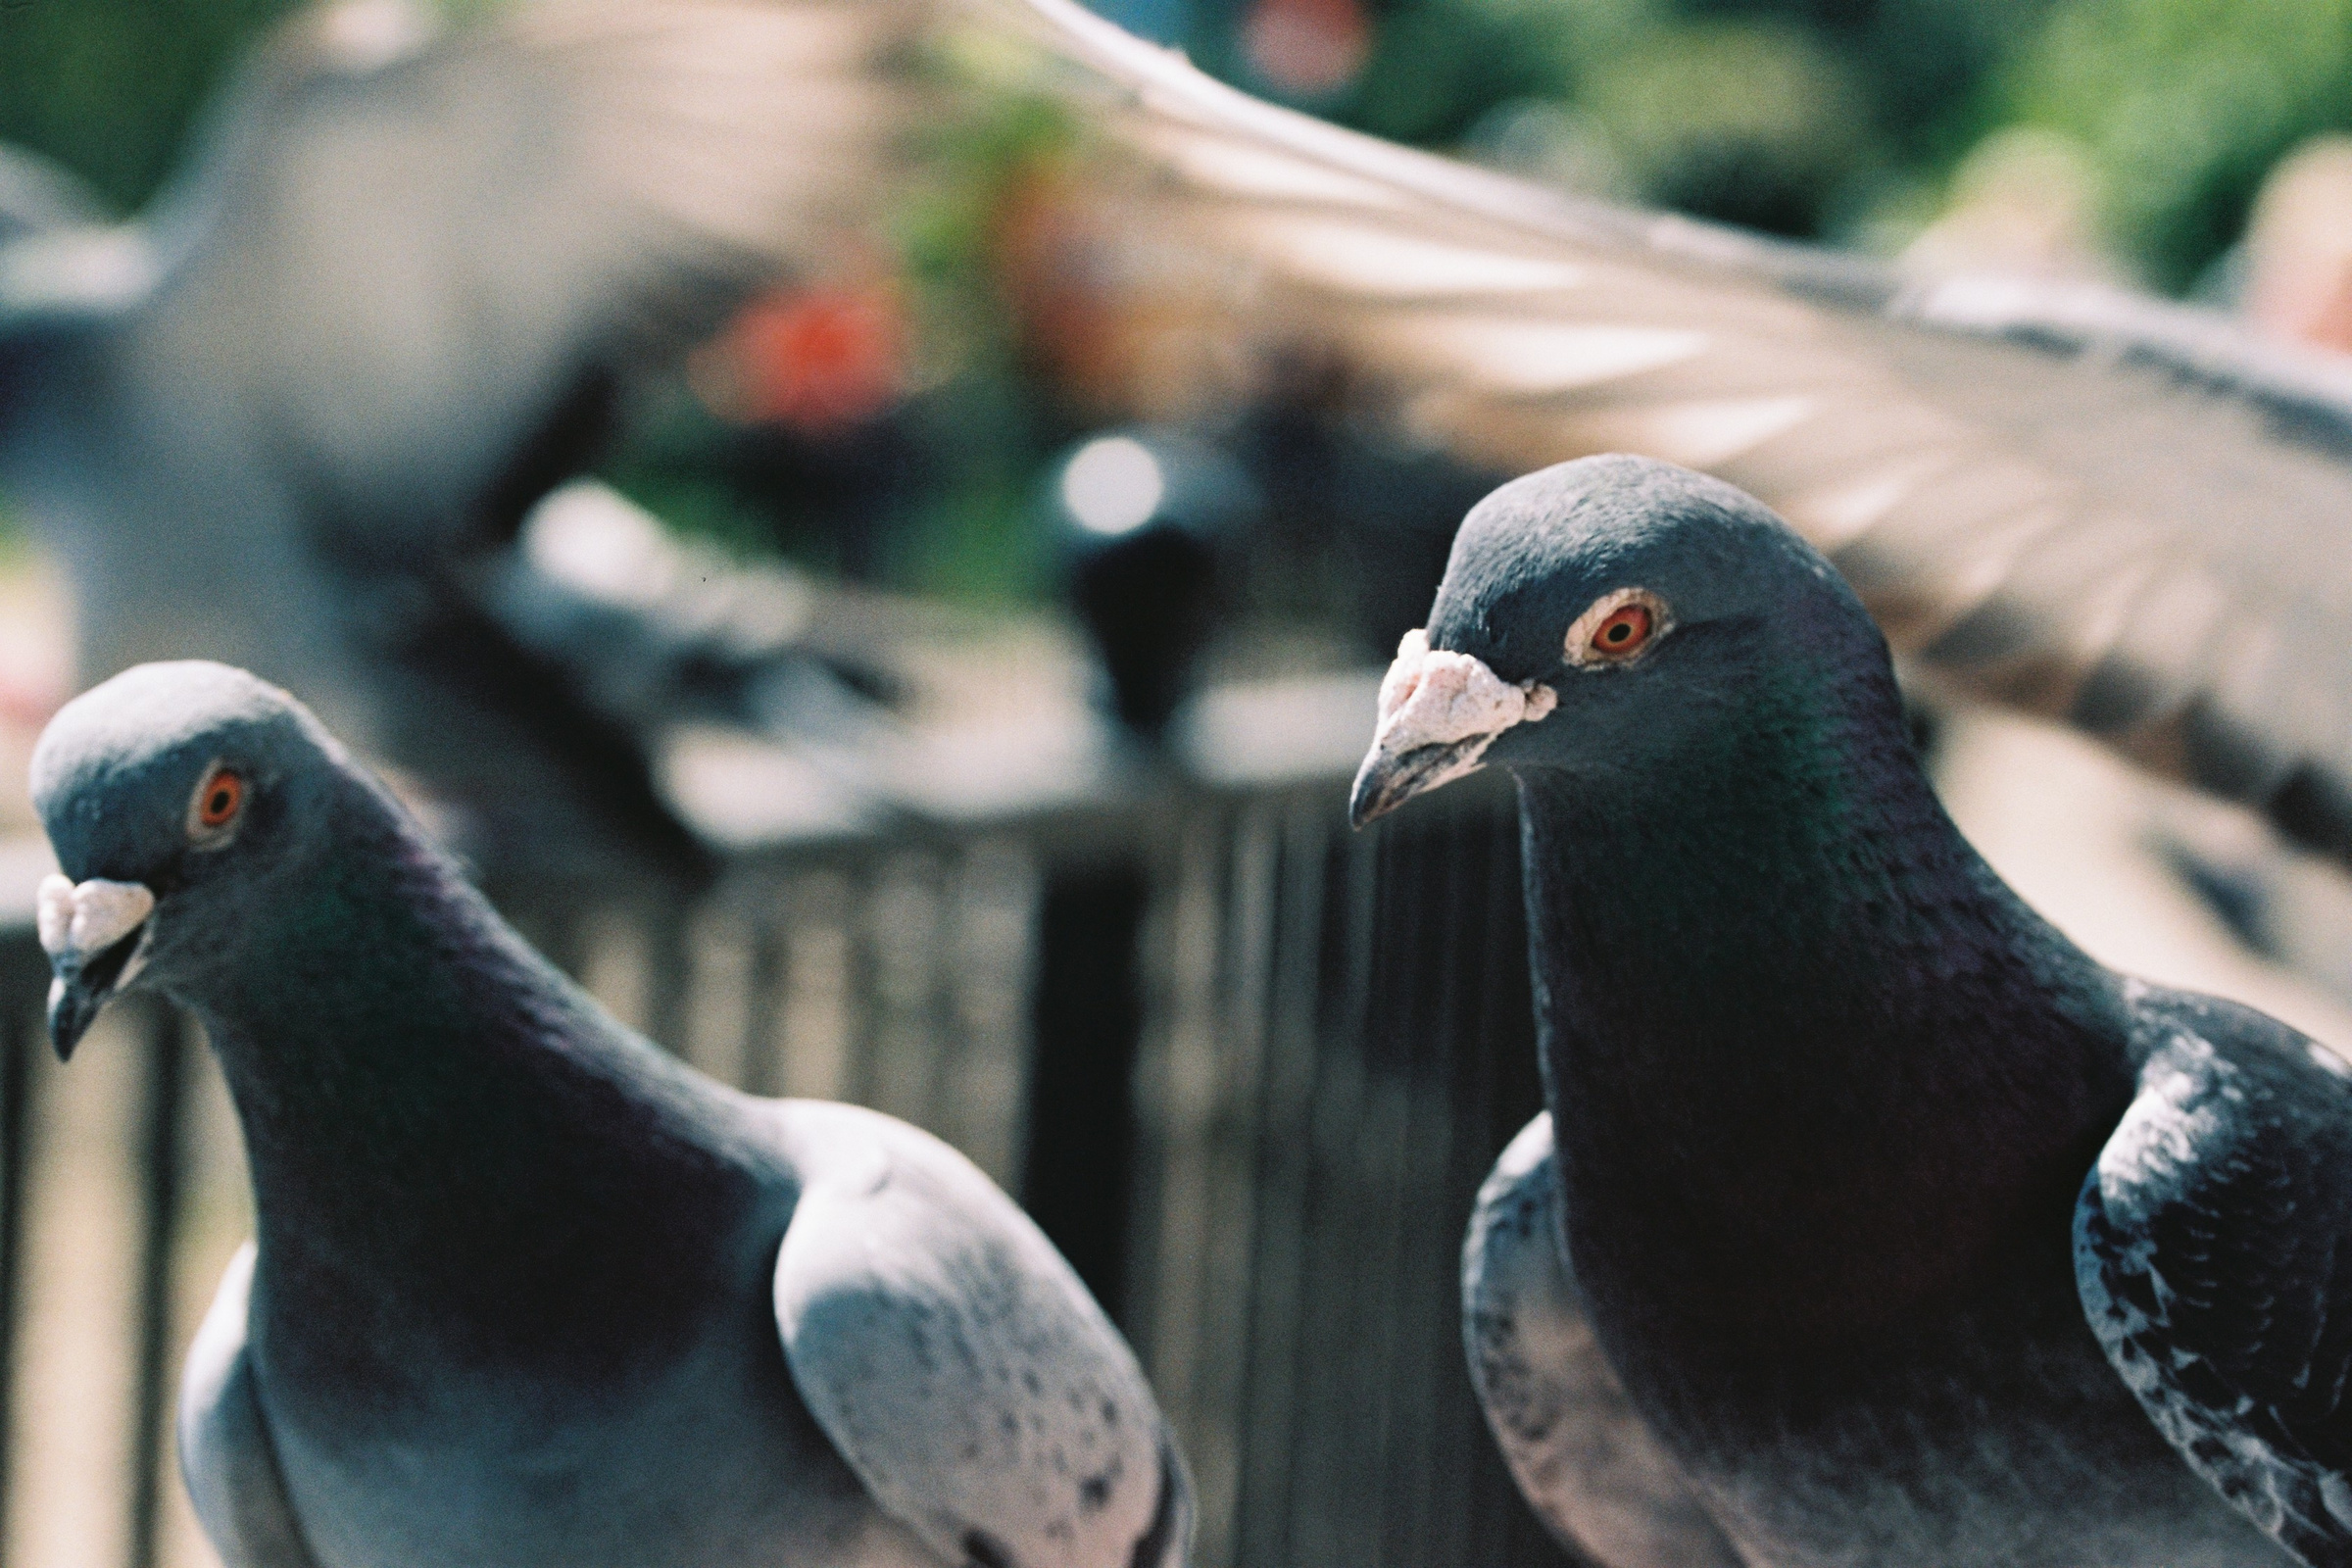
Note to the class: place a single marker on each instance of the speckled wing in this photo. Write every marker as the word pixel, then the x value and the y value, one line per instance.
pixel 2213 1247
pixel 960 1366
pixel 2096 506
pixel 1583 1457
pixel 408 243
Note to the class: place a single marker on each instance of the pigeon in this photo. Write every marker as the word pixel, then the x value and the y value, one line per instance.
pixel 296 414
pixel 525 1290
pixel 1146 524
pixel 1871 1220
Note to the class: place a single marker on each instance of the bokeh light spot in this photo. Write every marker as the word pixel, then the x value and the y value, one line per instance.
pixel 1113 485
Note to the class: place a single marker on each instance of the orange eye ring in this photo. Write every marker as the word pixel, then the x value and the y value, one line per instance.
pixel 219 800
pixel 1617 628
pixel 1622 632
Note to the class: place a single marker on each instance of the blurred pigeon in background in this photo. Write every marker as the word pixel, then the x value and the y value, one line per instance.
pixel 1911 1234
pixel 1148 524
pixel 527 1291
pixel 297 414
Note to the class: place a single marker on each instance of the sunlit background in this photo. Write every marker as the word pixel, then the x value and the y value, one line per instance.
pixel 908 459
pixel 887 432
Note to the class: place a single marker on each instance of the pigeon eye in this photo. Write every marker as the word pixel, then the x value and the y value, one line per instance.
pixel 1617 627
pixel 1626 629
pixel 219 800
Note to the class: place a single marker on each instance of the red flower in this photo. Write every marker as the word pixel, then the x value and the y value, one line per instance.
pixel 819 358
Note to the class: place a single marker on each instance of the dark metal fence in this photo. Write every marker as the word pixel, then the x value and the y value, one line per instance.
pixel 1245 1066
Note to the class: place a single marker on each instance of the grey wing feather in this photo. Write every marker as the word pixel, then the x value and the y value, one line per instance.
pixel 224 1447
pixel 2101 508
pixel 960 1366
pixel 1580 1453
pixel 2210 1252
pixel 406 241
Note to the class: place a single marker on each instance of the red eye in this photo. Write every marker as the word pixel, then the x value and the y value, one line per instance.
pixel 223 797
pixel 1622 632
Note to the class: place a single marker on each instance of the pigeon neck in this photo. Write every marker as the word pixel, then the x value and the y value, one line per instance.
pixel 1815 1051
pixel 445 1132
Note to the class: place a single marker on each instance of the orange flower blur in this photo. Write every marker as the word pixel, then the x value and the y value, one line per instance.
pixel 817 360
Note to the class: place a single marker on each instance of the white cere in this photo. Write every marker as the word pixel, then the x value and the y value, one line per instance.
pixel 78 920
pixel 1432 696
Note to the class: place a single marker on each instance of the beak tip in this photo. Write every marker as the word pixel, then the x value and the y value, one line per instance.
pixel 1380 788
pixel 68 1018
pixel 1388 779
pixel 1364 797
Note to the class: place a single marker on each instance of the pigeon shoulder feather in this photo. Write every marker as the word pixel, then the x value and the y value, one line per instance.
pixel 958 1364
pixel 2210 1251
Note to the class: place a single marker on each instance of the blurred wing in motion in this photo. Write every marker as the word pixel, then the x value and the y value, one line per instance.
pixel 422 255
pixel 2091 506
pixel 295 419
pixel 37 195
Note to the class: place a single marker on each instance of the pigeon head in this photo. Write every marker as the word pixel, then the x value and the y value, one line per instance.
pixel 177 797
pixel 1602 617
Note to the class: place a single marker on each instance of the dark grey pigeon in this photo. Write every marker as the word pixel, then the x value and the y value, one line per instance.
pixel 526 1291
pixel 1882 1225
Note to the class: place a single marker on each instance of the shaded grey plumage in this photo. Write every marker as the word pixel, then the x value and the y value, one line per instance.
pixel 1912 1235
pixel 2100 507
pixel 1575 1443
pixel 525 1290
pixel 294 416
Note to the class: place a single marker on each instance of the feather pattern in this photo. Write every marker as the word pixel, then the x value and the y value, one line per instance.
pixel 2210 1251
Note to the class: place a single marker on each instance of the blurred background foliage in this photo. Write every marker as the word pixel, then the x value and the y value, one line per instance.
pixel 1838 119
pixel 2122 138
pixel 109 87
pixel 2182 107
